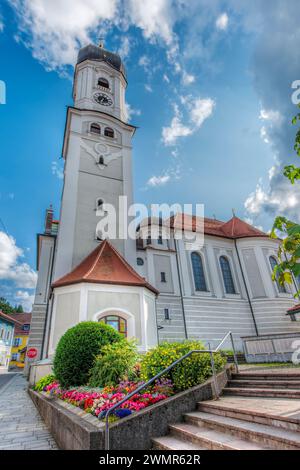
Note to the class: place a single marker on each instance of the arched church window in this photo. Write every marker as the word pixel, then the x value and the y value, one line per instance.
pixel 118 323
pixel 95 128
pixel 273 263
pixel 227 275
pixel 109 132
pixel 198 272
pixel 103 82
pixel 101 160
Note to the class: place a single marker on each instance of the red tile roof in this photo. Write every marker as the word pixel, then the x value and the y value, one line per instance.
pixel 234 228
pixel 21 319
pixel 6 317
pixel 104 265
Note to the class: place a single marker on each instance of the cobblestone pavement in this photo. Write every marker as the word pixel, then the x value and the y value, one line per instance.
pixel 21 426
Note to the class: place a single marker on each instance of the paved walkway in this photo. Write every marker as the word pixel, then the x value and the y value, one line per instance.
pixel 21 426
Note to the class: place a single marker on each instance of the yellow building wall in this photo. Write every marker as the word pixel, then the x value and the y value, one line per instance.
pixel 16 349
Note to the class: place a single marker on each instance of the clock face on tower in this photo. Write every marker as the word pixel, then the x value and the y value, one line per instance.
pixel 103 99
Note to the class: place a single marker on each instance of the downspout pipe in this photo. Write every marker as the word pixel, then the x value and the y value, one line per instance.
pixel 246 288
pixel 180 290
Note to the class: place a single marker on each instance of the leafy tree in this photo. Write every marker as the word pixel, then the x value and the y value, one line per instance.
pixel 7 308
pixel 289 231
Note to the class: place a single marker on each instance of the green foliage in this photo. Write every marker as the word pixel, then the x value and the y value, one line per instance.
pixel 229 352
pixel 191 371
pixel 7 308
pixel 288 231
pixel 115 363
pixel 288 251
pixel 292 173
pixel 46 380
pixel 77 349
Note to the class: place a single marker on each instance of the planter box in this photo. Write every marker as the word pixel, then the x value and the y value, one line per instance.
pixel 73 429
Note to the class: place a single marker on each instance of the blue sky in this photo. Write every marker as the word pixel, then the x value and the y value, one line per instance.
pixel 209 88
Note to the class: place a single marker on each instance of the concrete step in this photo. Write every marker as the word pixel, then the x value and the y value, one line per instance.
pixel 262 392
pixel 267 376
pixel 211 439
pixel 295 384
pixel 173 443
pixel 284 422
pixel 261 434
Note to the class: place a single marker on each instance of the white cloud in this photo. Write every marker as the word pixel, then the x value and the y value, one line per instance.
pixel 144 62
pixel 222 22
pixel 10 267
pixel 279 198
pixel 129 112
pixel 57 170
pixel 1 25
pixel 166 78
pixel 25 299
pixel 172 174
pixel 201 109
pixel 158 180
pixel 187 79
pixel 125 47
pixel 154 17
pixel 198 110
pixel 176 129
pixel 148 88
pixel 270 115
pixel 55 30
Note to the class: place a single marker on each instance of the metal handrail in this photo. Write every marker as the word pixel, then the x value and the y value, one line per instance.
pixel 157 376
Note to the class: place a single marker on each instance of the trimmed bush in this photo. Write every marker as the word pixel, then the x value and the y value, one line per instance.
pixel 43 382
pixel 192 371
pixel 115 363
pixel 77 349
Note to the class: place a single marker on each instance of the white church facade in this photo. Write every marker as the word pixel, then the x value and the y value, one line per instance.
pixel 153 288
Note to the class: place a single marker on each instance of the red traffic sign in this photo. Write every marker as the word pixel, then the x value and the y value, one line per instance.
pixel 32 353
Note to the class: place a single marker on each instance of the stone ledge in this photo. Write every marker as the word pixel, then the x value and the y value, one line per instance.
pixel 73 429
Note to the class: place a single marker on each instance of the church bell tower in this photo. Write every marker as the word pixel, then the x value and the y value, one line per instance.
pixel 97 152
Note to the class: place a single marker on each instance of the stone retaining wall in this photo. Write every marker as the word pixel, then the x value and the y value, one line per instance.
pixel 277 347
pixel 73 429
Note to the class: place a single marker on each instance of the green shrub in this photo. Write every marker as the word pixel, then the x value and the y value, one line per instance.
pixel 77 349
pixel 192 371
pixel 46 380
pixel 115 363
pixel 229 352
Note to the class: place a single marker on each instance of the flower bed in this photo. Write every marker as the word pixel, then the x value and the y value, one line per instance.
pixel 98 401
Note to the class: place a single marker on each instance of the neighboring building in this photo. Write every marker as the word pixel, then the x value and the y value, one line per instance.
pixel 203 292
pixel 6 338
pixel 224 285
pixel 21 335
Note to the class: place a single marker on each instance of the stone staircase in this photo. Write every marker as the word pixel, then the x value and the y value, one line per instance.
pixel 241 421
pixel 272 385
